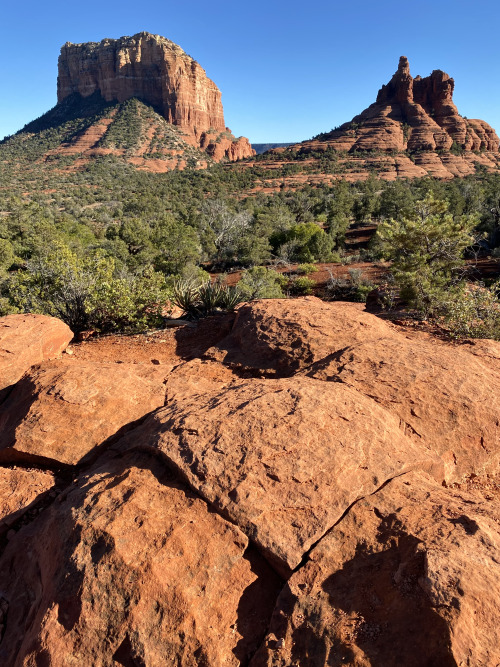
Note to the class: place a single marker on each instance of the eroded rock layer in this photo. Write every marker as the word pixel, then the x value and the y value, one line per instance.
pixel 414 129
pixel 297 484
pixel 158 72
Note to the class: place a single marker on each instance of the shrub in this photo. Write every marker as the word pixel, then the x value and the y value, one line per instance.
pixel 302 286
pixel 306 269
pixel 86 293
pixel 353 288
pixel 474 312
pixel 261 283
pixel 307 241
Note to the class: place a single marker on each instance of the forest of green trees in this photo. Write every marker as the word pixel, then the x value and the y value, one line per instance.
pixel 103 246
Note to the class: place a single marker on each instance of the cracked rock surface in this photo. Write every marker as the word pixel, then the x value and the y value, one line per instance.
pixel 317 487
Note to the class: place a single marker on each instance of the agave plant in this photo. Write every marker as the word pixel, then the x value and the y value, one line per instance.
pixel 200 300
pixel 186 297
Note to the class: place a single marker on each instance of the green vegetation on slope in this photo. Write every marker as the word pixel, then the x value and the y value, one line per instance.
pixel 155 226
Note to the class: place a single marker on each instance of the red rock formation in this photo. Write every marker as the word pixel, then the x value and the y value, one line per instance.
pixel 158 72
pixel 281 461
pixel 18 490
pixel 417 116
pixel 446 398
pixel 130 568
pixel 26 340
pixel 62 410
pixel 302 439
pixel 397 582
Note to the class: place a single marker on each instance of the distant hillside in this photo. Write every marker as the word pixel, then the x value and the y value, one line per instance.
pixel 80 129
pixel 262 148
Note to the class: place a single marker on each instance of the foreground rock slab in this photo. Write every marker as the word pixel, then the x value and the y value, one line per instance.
pixel 284 336
pixel 446 397
pixel 130 568
pixel 283 459
pixel 18 490
pixel 61 411
pixel 26 340
pixel 409 577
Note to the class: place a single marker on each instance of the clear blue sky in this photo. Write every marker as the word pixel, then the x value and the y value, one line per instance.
pixel 287 69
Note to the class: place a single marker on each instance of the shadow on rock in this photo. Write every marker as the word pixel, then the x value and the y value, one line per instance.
pixel 129 565
pixel 388 616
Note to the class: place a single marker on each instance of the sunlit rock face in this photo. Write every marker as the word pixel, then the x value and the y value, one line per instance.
pixel 160 73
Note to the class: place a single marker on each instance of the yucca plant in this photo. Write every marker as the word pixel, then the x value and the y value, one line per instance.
pixel 230 298
pixel 201 300
pixel 210 295
pixel 186 296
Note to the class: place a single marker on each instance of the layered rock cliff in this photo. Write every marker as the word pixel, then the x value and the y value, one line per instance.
pixel 413 129
pixel 96 79
pixel 146 66
pixel 415 114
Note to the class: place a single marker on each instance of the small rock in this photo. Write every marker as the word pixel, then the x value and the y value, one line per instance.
pixel 156 362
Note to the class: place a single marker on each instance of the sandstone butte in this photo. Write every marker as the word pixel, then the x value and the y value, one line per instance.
pixel 413 129
pixel 296 484
pixel 160 74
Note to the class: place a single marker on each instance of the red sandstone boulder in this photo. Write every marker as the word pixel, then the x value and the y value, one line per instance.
pixel 130 568
pixel 26 340
pixel 62 410
pixel 446 397
pixel 408 577
pixel 18 490
pixel 283 459
pixel 283 336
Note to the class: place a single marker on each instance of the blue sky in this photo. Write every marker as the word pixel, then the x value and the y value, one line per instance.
pixel 287 70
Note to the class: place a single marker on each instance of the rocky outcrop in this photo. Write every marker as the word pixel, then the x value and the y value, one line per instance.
pixel 396 583
pixel 415 115
pixel 158 72
pixel 301 483
pixel 445 397
pixel 20 489
pixel 61 411
pixel 131 568
pixel 417 118
pixel 148 67
pixel 281 461
pixel 26 340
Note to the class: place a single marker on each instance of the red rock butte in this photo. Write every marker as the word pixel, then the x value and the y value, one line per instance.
pixel 155 70
pixel 412 130
pixel 415 114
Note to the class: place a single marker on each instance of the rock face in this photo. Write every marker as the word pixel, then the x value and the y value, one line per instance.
pixel 414 117
pixel 26 340
pixel 130 568
pixel 62 411
pixel 396 583
pixel 301 484
pixel 277 459
pixel 158 72
pixel 18 490
pixel 445 398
